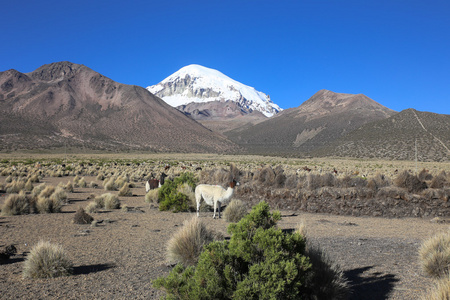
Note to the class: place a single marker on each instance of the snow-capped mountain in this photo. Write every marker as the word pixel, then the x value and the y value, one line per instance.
pixel 195 83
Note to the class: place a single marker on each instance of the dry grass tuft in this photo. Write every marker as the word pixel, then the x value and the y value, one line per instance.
pixel 16 204
pixel 235 211
pixel 441 291
pixel 434 255
pixel 92 207
pixel 111 201
pixel 328 280
pixel 125 191
pixel 152 196
pixel 187 243
pixel 47 260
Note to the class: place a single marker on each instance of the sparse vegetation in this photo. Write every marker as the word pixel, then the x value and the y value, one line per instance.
pixel 239 269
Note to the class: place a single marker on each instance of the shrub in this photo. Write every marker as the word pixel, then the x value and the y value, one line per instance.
pixel 125 191
pixel 409 182
pixel 424 175
pixel 69 187
pixel 38 189
pixel 187 243
pixel 235 211
pixel 152 196
pixel 441 291
pixel 82 183
pixel 177 202
pixel 439 181
pixel 15 186
pixel 378 182
pixel 187 190
pixel 34 178
pixel 28 186
pixel 47 191
pixel 59 195
pixel 170 198
pixel 111 201
pixel 91 207
pixel 16 204
pixel 109 184
pixel 434 255
pixel 259 262
pixel 48 205
pixel 81 217
pixel 327 280
pixel 93 185
pixel 47 260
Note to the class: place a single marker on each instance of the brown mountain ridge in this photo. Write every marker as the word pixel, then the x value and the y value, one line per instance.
pixel 400 137
pixel 320 120
pixel 66 104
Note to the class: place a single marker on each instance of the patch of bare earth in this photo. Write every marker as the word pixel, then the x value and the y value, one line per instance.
pixel 119 257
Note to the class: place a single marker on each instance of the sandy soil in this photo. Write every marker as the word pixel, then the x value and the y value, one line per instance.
pixel 120 257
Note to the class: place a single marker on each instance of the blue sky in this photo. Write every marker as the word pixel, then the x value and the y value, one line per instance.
pixel 396 52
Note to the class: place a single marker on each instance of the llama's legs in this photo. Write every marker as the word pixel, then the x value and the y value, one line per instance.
pixel 219 208
pixel 198 205
pixel 215 206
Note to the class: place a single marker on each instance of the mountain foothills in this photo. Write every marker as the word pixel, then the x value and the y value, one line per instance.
pixel 63 105
pixel 401 136
pixel 69 105
pixel 320 120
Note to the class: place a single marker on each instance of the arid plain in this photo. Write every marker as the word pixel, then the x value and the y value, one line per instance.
pixel 120 256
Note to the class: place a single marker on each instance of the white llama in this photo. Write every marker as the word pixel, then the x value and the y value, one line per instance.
pixel 214 195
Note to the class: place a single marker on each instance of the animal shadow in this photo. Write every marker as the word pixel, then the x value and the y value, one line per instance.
pixel 376 286
pixel 83 270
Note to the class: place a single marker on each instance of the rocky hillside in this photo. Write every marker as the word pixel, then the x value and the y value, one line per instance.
pixel 397 137
pixel 221 116
pixel 320 120
pixel 69 105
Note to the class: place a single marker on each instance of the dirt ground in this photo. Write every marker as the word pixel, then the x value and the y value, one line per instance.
pixel 118 258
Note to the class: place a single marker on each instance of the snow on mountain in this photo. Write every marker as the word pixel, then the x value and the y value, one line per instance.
pixel 195 83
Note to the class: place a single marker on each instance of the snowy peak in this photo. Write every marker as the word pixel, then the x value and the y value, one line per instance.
pixel 195 83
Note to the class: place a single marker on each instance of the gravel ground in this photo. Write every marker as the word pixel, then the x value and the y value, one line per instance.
pixel 118 258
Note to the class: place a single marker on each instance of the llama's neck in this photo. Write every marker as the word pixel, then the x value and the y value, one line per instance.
pixel 229 193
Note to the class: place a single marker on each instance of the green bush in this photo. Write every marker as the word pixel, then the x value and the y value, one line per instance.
pixel 169 196
pixel 258 262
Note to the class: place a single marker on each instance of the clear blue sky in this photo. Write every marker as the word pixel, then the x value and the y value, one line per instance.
pixel 396 52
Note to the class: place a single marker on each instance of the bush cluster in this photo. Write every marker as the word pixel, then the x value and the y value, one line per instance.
pixel 169 196
pixel 43 199
pixel 259 261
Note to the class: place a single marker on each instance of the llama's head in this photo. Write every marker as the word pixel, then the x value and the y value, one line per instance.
pixel 233 183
